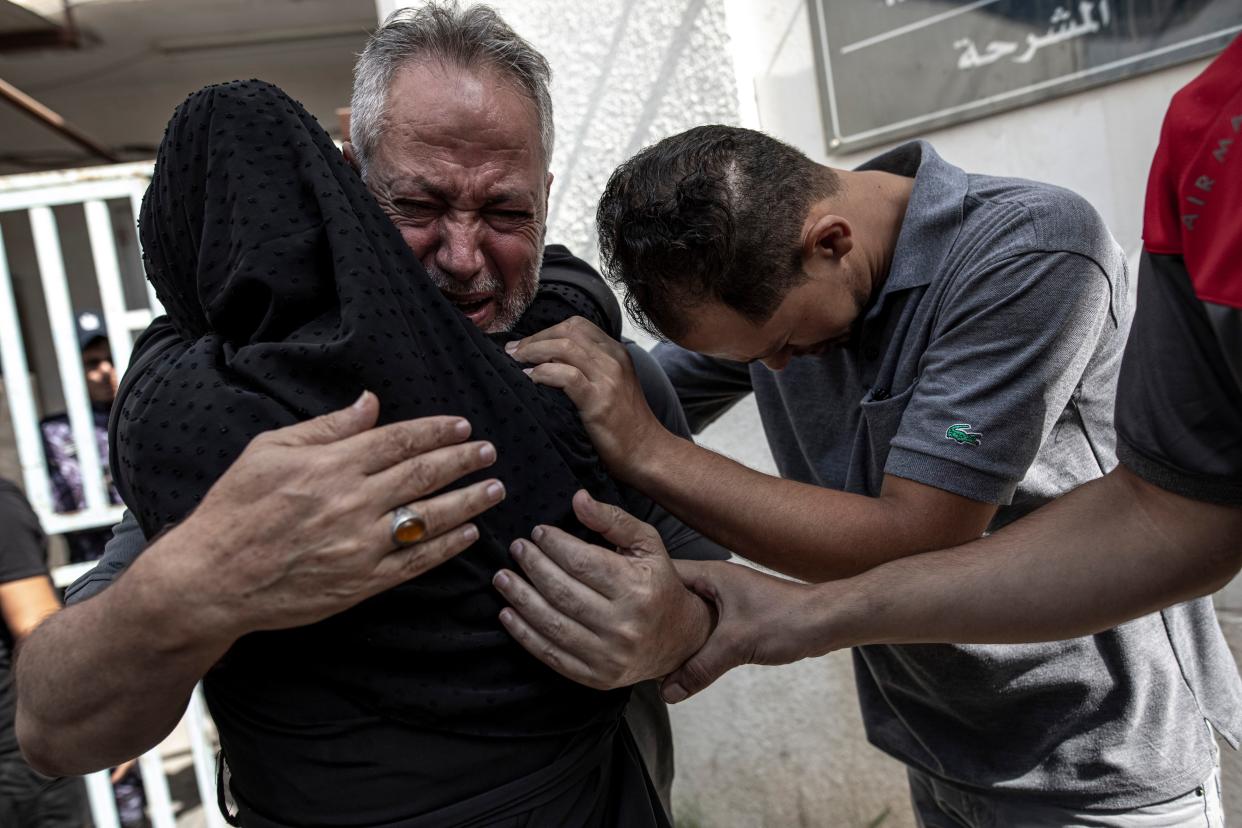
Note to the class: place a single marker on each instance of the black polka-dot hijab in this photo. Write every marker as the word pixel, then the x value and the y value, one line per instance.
pixel 291 292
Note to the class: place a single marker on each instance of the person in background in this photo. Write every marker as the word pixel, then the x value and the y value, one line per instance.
pixel 63 466
pixel 27 798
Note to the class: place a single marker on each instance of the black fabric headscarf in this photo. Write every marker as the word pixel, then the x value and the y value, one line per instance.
pixel 291 292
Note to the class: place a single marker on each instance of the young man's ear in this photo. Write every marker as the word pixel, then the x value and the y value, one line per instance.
pixel 829 236
pixel 347 149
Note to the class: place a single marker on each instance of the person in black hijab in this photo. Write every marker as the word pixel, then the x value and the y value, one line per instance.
pixel 290 292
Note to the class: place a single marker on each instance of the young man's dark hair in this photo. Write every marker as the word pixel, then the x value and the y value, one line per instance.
pixel 714 213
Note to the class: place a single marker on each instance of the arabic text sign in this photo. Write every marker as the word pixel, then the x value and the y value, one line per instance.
pixel 896 68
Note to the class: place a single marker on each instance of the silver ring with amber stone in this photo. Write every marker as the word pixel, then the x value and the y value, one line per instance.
pixel 408 526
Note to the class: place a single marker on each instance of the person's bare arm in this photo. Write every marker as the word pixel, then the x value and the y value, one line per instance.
pixel 24 603
pixel 1108 552
pixel 105 680
pixel 806 531
pixel 297 530
pixel 1112 550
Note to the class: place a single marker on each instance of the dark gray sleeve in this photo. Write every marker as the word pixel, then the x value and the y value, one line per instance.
pixel 705 386
pixel 679 539
pixel 1179 406
pixel 123 548
pixel 1010 348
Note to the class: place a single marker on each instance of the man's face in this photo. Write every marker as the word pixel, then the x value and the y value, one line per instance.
pixel 459 169
pixel 813 317
pixel 101 377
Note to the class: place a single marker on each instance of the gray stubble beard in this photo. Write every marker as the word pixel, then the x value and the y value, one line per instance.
pixel 511 304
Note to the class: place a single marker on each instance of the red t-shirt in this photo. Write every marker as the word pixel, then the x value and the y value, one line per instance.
pixel 1194 193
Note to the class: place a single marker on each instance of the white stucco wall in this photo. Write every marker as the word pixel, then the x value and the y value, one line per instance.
pixel 1098 143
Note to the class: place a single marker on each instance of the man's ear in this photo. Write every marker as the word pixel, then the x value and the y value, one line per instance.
pixel 827 236
pixel 547 203
pixel 347 149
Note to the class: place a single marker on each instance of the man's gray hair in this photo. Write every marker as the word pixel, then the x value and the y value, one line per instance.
pixel 476 37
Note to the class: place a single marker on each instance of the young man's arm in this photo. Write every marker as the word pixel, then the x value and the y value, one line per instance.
pixel 297 530
pixel 1006 357
pixel 1110 551
pixel 1162 528
pixel 803 530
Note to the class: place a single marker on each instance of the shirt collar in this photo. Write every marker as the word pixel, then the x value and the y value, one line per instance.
pixel 933 216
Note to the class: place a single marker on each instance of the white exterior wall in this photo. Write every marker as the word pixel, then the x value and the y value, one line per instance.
pixel 1098 143
pixel 784 746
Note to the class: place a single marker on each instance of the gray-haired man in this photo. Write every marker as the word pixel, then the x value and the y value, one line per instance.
pixel 452 133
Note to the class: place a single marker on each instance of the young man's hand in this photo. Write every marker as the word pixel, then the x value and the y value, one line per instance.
pixel 761 619
pixel 595 371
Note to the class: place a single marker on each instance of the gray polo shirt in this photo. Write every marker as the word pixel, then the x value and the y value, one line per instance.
pixel 986 366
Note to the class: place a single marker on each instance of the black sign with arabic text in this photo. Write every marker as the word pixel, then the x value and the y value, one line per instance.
pixel 891 69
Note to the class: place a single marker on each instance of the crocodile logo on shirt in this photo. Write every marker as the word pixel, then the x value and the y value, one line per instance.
pixel 962 435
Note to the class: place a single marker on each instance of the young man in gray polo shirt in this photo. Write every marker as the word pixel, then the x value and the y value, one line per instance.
pixel 934 354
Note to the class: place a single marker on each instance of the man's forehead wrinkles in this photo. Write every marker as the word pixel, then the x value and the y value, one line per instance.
pixel 457 132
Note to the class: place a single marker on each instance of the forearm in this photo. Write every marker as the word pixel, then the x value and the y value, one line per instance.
pixel 804 531
pixel 106 680
pixel 1113 550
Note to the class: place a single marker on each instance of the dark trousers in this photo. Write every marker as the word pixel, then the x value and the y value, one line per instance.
pixel 648 719
pixel 31 800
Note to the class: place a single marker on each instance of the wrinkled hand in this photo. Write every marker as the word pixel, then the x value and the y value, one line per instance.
pixel 761 619
pixel 595 616
pixel 298 528
pixel 595 371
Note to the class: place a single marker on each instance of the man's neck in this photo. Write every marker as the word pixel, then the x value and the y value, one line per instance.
pixel 876 204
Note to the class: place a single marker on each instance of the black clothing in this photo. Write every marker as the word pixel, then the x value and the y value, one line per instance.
pixel 64 470
pixel 30 800
pixel 23 554
pixel 645 714
pixel 27 799
pixel 1179 408
pixel 292 292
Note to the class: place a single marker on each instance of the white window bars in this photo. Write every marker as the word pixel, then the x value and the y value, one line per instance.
pixel 36 195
